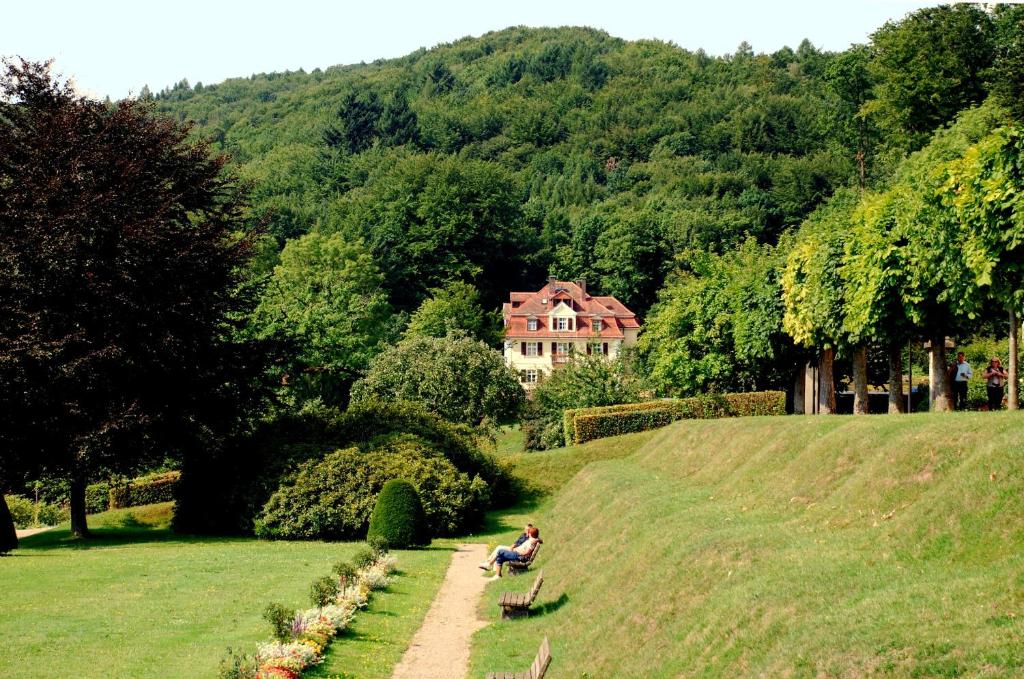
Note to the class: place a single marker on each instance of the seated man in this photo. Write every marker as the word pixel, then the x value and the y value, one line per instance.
pixel 522 550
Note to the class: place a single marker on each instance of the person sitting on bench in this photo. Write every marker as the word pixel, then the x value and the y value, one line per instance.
pixel 502 554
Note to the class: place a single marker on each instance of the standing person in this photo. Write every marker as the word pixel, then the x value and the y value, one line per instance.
pixel 995 376
pixel 963 374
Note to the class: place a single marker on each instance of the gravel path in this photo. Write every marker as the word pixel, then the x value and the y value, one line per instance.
pixel 440 648
pixel 32 531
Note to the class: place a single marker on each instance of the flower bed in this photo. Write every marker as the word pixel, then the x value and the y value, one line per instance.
pixel 303 636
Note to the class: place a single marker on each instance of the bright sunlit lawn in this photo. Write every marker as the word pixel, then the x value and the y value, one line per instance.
pixel 140 601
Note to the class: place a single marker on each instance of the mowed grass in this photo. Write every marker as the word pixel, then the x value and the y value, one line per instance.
pixel 784 547
pixel 140 601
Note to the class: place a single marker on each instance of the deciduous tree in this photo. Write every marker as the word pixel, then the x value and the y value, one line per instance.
pixel 119 287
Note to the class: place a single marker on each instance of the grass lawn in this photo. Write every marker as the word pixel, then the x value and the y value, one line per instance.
pixel 783 547
pixel 140 601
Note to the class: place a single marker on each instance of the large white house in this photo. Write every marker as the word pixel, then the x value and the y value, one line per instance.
pixel 543 328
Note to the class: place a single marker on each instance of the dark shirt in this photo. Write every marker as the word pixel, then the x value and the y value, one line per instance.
pixel 520 540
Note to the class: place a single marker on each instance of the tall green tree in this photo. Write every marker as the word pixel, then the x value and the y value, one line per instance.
pixel 928 67
pixel 431 219
pixel 455 307
pixel 717 325
pixel 326 300
pixel 813 293
pixel 985 193
pixel 119 285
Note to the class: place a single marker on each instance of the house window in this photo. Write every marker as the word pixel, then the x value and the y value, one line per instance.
pixel 532 348
pixel 561 324
pixel 528 376
pixel 597 325
pixel 531 324
pixel 563 348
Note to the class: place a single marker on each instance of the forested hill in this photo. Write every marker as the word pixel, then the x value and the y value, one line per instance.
pixel 497 160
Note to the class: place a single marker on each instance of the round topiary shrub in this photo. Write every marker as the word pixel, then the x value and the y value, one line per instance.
pixel 398 516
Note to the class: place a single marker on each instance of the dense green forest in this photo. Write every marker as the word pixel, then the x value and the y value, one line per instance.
pixel 653 171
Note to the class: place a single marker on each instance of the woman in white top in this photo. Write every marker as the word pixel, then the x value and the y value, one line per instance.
pixel 995 377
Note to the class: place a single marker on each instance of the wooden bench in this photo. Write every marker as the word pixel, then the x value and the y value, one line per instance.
pixel 516 604
pixel 517 567
pixel 537 669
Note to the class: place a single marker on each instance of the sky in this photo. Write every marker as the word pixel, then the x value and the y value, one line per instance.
pixel 113 48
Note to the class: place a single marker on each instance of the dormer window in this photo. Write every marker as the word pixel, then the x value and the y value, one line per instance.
pixel 598 324
pixel 561 324
pixel 531 324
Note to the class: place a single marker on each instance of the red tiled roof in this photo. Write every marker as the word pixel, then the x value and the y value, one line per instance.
pixel 614 315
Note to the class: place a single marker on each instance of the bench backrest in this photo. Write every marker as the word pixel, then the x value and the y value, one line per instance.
pixel 541 662
pixel 533 554
pixel 536 586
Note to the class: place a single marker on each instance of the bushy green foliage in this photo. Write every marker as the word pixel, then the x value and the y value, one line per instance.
pixel 398 516
pixel 587 424
pixel 145 490
pixel 455 308
pixel 97 497
pixel 585 381
pixel 718 325
pixel 333 498
pixel 28 514
pixel 226 490
pixel 457 377
pixel 280 618
pixel 379 545
pixel 364 555
pixel 323 591
pixel 238 666
pixel 324 299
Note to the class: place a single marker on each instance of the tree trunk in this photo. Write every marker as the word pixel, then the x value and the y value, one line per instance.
pixel 860 381
pixel 799 390
pixel 826 383
pixel 939 390
pixel 896 402
pixel 8 534
pixel 1012 402
pixel 79 527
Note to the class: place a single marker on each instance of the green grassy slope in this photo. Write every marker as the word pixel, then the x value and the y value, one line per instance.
pixel 141 601
pixel 786 547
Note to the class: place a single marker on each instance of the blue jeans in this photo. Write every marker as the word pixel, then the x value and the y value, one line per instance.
pixel 506 555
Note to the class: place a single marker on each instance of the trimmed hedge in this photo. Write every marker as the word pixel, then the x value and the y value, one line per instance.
pixel 398 516
pixel 586 424
pixel 145 490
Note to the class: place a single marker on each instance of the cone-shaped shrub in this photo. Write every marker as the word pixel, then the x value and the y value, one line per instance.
pixel 8 536
pixel 398 516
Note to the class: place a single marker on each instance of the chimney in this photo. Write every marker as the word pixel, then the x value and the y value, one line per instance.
pixel 551 284
pixel 583 286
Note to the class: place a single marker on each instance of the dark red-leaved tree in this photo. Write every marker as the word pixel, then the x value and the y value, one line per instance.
pixel 119 286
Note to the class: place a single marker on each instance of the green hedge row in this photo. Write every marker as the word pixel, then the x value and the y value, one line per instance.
pixel 145 490
pixel 586 424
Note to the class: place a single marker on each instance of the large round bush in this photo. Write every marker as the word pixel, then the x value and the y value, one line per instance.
pixel 332 498
pixel 398 516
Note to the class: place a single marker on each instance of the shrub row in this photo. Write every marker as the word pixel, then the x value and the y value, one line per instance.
pixel 145 490
pixel 586 424
pixel 301 637
pixel 28 514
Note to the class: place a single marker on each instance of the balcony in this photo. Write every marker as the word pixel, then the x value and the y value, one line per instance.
pixel 560 358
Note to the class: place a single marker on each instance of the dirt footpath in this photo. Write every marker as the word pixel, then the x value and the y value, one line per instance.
pixel 440 649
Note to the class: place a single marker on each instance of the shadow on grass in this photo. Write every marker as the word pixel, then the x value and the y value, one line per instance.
pixel 61 538
pixel 550 606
